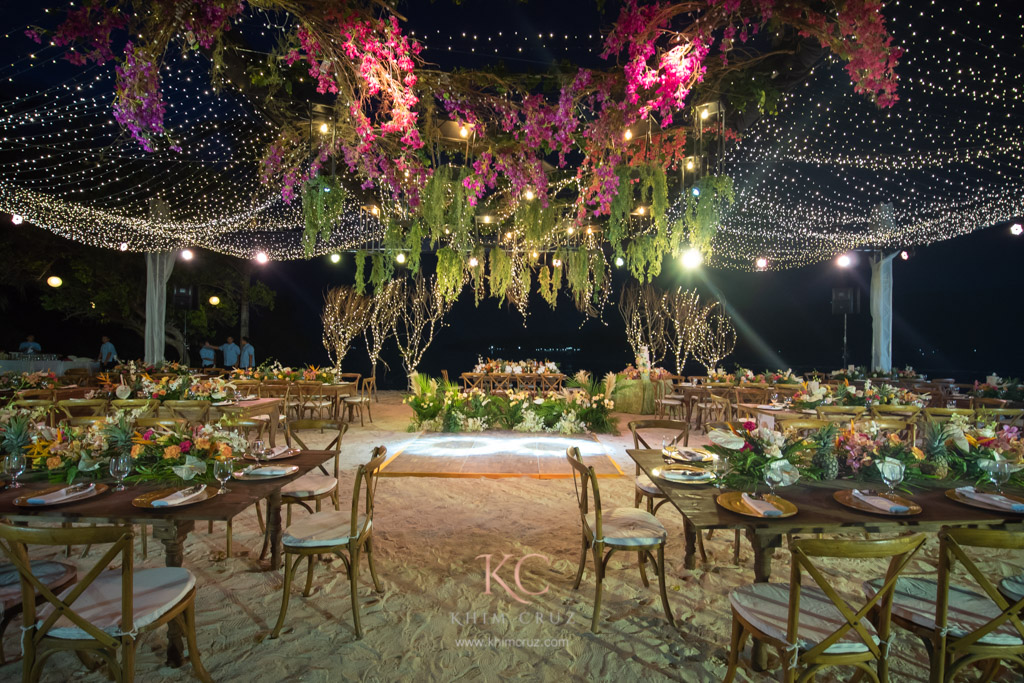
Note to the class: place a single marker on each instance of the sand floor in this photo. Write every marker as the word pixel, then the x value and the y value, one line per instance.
pixel 436 622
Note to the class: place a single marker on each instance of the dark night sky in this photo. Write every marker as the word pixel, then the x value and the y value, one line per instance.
pixel 955 311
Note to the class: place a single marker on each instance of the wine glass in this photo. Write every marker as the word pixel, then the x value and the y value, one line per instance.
pixel 223 468
pixel 720 466
pixel 120 467
pixel 773 476
pixel 258 450
pixel 999 472
pixel 775 398
pixel 14 465
pixel 951 404
pixel 892 472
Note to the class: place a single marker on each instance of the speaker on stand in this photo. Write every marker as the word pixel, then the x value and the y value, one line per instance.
pixel 845 301
pixel 186 297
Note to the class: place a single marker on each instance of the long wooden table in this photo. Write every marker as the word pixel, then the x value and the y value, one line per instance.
pixel 172 525
pixel 817 513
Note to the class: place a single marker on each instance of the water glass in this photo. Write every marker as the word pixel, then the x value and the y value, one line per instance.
pixel 258 449
pixel 223 468
pixel 773 477
pixel 775 398
pixel 120 467
pixel 14 465
pixel 999 472
pixel 720 466
pixel 892 472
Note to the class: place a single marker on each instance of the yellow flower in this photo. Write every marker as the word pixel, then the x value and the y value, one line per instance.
pixel 137 450
pixel 225 450
pixel 202 443
pixel 171 452
pixel 53 462
pixel 971 440
pixel 918 453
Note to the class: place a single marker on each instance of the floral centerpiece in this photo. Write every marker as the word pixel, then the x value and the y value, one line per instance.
pixel 16 381
pixel 67 451
pixel 812 395
pixel 655 374
pixel 782 377
pixel 173 367
pixel 444 407
pixel 907 373
pixel 752 449
pixel 182 453
pixel 1009 389
pixel 889 395
pixel 860 451
pixel 746 376
pixel 519 367
pixel 854 372
pixel 719 375
pixel 957 449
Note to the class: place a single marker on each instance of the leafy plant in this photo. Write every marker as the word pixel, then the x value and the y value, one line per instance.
pixel 450 273
pixel 703 212
pixel 501 273
pixel 360 277
pixel 323 202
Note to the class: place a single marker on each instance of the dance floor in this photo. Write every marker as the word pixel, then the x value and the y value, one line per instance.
pixel 496 455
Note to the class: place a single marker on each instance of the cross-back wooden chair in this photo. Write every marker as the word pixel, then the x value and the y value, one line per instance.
pixel 625 529
pixel 315 486
pixel 527 382
pixel 43 408
pixel 712 407
pixel 160 422
pixel 315 402
pixel 342 533
pixel 81 407
pixel 87 617
pixel 360 401
pixel 840 413
pixel 801 426
pixel 473 380
pixel 54 575
pixel 194 412
pixel 550 381
pixel 353 377
pixel 37 394
pixel 1010 417
pixel 981 402
pixel 644 489
pixel 961 626
pixel 147 406
pixel 666 404
pixel 907 413
pixel 246 387
pixel 944 414
pixel 370 387
pixel 82 420
pixel 812 626
pixel 284 391
pixel 501 383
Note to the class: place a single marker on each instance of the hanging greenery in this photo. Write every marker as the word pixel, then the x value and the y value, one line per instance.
pixel 382 269
pixel 414 246
pixel 577 274
pixel 549 282
pixel 323 202
pixel 654 193
pixel 360 283
pixel 703 212
pixel 643 256
pixel 501 274
pixel 476 273
pixel 433 203
pixel 618 217
pixel 450 273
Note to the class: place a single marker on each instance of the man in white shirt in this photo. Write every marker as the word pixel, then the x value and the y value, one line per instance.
pixel 108 354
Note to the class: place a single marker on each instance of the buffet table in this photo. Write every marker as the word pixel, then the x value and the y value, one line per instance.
pixel 57 367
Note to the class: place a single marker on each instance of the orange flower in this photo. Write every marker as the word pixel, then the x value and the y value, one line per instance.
pixel 53 462
pixel 171 452
pixel 225 450
pixel 202 443
pixel 918 453
pixel 137 450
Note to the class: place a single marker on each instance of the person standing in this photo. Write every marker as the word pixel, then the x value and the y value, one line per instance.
pixel 30 345
pixel 230 350
pixel 207 355
pixel 108 354
pixel 248 359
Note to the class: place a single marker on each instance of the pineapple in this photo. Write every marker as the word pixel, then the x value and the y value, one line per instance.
pixel 937 463
pixel 17 434
pixel 119 434
pixel 825 458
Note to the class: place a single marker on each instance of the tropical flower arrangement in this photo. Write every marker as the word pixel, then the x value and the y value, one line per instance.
pixel 444 407
pixel 907 373
pixel 958 449
pixel 16 381
pixel 655 374
pixel 182 453
pixel 889 395
pixel 752 449
pixel 851 373
pixel 1009 389
pixel 520 367
pixel 719 375
pixel 782 377
pixel 273 369
pixel 744 376
pixel 67 451
pixel 812 395
pixel 860 451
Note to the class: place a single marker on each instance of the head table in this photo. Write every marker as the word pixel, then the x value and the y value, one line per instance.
pixel 818 512
pixel 171 525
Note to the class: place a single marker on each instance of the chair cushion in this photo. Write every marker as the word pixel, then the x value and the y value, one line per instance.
pixel 50 574
pixel 628 527
pixel 322 529
pixel 644 483
pixel 311 484
pixel 1012 587
pixel 155 592
pixel 914 601
pixel 765 606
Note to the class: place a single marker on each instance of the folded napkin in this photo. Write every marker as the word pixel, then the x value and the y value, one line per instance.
pixel 684 475
pixel 993 499
pixel 761 507
pixel 268 471
pixel 687 454
pixel 59 495
pixel 278 451
pixel 178 498
pixel 883 504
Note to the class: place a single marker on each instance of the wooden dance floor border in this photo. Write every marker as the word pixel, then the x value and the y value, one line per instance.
pixel 496 455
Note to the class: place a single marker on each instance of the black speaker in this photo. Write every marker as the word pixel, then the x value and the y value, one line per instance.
pixel 845 300
pixel 184 296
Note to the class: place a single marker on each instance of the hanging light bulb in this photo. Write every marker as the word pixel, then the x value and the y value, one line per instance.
pixel 619 262
pixel 692 258
pixel 704 113
pixel 215 300
pixel 761 263
pixel 628 135
pixel 528 195
pixel 54 281
pixel 262 258
pixel 400 257
pixel 473 262
pixel 324 128
pixel 844 261
pixel 570 230
pixel 905 255
pixel 17 218
pixel 689 165
pixel 1016 229
pixel 590 230
pixel 124 246
pixel 535 255
pixel 335 258
pixel 187 254
pixel 557 263
pixel 463 132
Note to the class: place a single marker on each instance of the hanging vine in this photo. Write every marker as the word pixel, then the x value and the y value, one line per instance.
pixel 643 256
pixel 450 274
pixel 703 213
pixel 549 281
pixel 360 283
pixel 501 274
pixel 381 270
pixel 323 202
pixel 618 217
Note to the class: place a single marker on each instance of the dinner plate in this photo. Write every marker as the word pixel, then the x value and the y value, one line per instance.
pixel 663 472
pixel 846 497
pixel 146 499
pixel 679 455
pixel 245 476
pixel 953 494
pixel 22 501
pixel 290 453
pixel 733 502
pixel 220 404
pixel 769 407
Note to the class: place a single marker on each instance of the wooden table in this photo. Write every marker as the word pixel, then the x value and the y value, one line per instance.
pixel 271 407
pixel 172 525
pixel 817 513
pixel 338 393
pixel 784 414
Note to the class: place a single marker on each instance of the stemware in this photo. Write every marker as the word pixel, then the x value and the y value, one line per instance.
pixel 120 467
pixel 222 470
pixel 14 465
pixel 892 472
pixel 720 466
pixel 773 476
pixel 999 473
pixel 258 450
pixel 775 398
